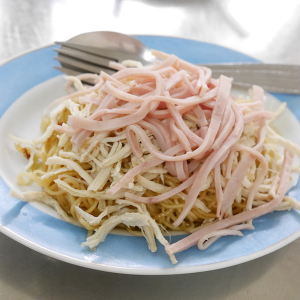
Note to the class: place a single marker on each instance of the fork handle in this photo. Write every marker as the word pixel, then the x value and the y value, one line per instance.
pixel 274 78
pixel 256 67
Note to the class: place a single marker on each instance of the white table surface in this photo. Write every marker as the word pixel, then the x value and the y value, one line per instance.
pixel 266 30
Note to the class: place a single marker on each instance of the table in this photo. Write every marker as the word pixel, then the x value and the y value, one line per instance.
pixel 266 30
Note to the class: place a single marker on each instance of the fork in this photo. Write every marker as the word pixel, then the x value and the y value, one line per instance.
pixel 76 59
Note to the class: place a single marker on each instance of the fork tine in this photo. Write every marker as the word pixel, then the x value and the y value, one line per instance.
pixel 97 60
pixel 84 67
pixel 92 50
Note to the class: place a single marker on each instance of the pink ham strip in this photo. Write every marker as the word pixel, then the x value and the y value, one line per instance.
pixel 141 89
pixel 188 66
pixel 192 100
pixel 182 126
pixel 219 190
pixel 208 113
pixel 182 64
pixel 169 62
pixel 182 170
pixel 113 91
pixel 258 115
pixel 210 163
pixel 164 130
pixel 204 77
pixel 175 90
pixel 234 184
pixel 184 105
pixel 217 115
pixel 236 179
pixel 79 138
pixel 101 126
pixel 229 164
pixel 180 93
pixel 133 143
pixel 210 238
pixel 108 102
pixel 173 81
pixel 115 111
pixel 141 73
pixel 193 165
pixel 202 131
pixel 200 84
pixel 226 118
pixel 225 131
pixel 153 149
pixel 165 113
pixel 166 71
pixel 160 54
pixel 188 83
pixel 193 238
pixel 156 132
pixel 231 194
pixel 180 136
pixel 200 115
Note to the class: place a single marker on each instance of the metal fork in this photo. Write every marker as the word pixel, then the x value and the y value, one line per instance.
pixel 77 59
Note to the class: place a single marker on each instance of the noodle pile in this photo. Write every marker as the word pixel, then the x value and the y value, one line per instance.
pixel 156 149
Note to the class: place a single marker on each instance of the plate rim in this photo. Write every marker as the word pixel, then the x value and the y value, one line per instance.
pixel 143 271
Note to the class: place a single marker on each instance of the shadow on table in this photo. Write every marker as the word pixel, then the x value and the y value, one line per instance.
pixel 25 274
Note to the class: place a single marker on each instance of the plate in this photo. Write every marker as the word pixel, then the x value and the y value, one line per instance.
pixel 28 82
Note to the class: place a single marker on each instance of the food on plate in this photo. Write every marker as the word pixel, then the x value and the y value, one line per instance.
pixel 156 149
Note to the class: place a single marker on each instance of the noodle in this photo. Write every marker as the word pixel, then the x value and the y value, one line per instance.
pixel 113 155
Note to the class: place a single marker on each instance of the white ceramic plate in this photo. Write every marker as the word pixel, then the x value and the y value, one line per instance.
pixel 28 84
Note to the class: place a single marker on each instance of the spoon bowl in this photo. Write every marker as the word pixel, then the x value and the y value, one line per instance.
pixel 115 41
